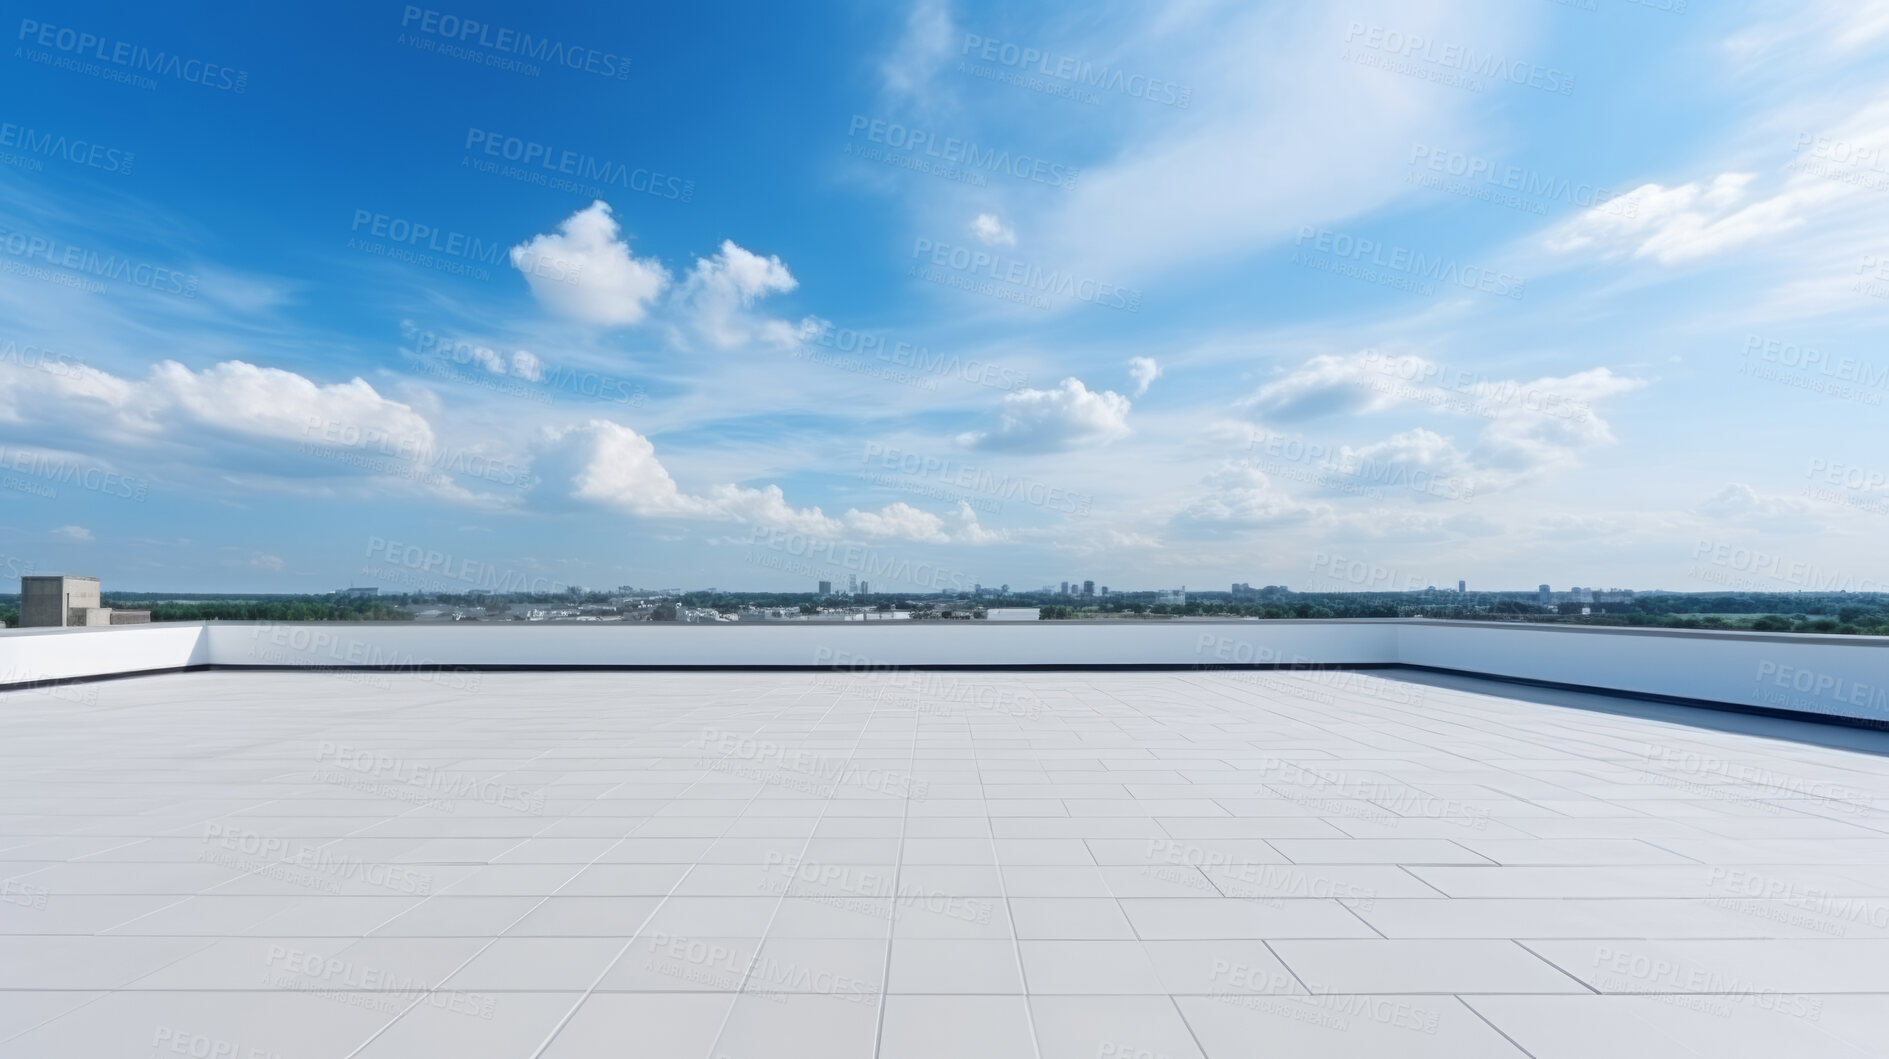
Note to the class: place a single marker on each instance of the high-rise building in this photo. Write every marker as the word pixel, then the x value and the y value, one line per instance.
pixel 1065 589
pixel 864 589
pixel 1544 595
pixel 1462 586
pixel 1088 588
pixel 826 588
pixel 852 584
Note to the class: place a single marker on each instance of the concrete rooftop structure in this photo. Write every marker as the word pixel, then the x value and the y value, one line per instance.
pixel 766 865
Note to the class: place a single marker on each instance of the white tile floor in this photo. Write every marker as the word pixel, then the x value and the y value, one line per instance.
pixel 1044 865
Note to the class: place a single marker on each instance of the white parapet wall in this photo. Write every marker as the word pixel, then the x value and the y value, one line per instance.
pixel 30 655
pixel 1836 676
pixel 1844 676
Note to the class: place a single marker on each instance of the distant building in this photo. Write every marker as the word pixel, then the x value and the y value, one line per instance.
pixel 58 601
pixel 865 589
pixel 1544 596
pixel 1065 589
pixel 1242 590
pixel 826 588
pixel 356 593
pixel 1172 596
pixel 1462 586
pixel 1088 588
pixel 1013 614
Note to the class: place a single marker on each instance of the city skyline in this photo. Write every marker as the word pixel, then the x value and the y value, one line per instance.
pixel 960 292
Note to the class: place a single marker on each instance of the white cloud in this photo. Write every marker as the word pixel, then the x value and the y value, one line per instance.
pixel 991 230
pixel 928 40
pixel 963 527
pixel 1330 384
pixel 586 272
pixel 489 360
pixel 256 425
pixel 527 366
pixel 1676 225
pixel 1800 27
pixel 1049 420
pixel 1740 503
pixel 1826 202
pixel 1144 371
pixel 76 534
pixel 618 467
pixel 1544 424
pixel 272 403
pixel 1416 464
pixel 1531 426
pixel 1248 160
pixel 1242 495
pixel 718 296
pixel 524 364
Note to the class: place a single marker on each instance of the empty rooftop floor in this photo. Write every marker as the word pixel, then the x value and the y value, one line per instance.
pixel 772 865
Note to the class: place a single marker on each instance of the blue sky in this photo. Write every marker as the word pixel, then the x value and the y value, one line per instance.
pixel 1372 296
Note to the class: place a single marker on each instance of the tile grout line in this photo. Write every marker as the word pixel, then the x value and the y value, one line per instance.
pixel 898 871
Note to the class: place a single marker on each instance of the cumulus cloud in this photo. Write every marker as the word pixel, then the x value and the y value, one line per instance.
pixel 523 364
pixel 1544 424
pixel 1416 464
pixel 991 230
pixel 618 467
pixel 75 534
pixel 1242 495
pixel 1144 371
pixel 273 403
pixel 718 296
pixel 254 423
pixel 586 271
pixel 1051 420
pixel 1331 384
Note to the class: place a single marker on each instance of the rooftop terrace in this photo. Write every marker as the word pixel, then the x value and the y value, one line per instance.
pixel 921 863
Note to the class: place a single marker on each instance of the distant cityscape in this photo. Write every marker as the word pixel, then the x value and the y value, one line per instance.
pixel 79 600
